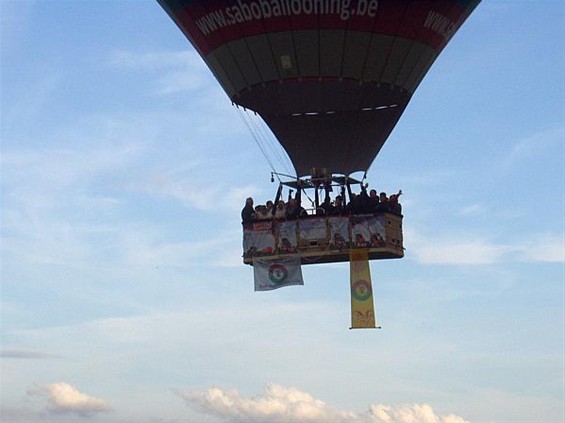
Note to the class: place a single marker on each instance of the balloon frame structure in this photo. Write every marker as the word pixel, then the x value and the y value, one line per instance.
pixel 331 78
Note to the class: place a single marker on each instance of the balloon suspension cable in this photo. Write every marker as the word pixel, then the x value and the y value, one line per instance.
pixel 256 138
pixel 266 142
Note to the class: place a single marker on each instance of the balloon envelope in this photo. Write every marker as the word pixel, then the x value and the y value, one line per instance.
pixel 331 78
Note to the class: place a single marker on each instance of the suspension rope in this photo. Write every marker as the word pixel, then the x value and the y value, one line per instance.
pixel 255 137
pixel 268 145
pixel 272 143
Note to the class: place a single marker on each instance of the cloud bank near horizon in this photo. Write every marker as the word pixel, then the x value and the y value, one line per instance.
pixel 64 398
pixel 281 404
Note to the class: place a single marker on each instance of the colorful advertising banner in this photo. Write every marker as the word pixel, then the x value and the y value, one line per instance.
pixel 258 242
pixel 273 274
pixel 287 242
pixel 312 229
pixel 368 231
pixel 339 232
pixel 362 307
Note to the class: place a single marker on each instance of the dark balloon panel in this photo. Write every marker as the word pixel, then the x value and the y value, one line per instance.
pixel 330 77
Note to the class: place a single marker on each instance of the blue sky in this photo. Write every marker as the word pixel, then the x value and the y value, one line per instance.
pixel 124 168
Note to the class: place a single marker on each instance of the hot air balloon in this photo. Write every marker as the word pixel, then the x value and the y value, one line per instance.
pixel 331 79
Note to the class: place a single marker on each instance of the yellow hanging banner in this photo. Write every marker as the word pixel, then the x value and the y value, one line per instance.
pixel 362 306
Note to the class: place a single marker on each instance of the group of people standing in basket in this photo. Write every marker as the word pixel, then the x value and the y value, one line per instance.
pixel 359 203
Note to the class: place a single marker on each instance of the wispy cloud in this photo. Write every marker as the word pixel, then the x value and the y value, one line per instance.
pixel 187 187
pixel 152 60
pixel 539 144
pixel 53 198
pixel 143 248
pixel 29 104
pixel 24 354
pixel 549 248
pixel 60 201
pixel 64 398
pixel 473 210
pixel 288 405
pixel 472 249
pixel 460 252
pixel 181 81
pixel 178 71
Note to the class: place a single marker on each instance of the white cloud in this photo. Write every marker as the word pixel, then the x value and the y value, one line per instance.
pixel 235 197
pixel 472 210
pixel 416 413
pixel 187 189
pixel 153 60
pixel 536 145
pixel 460 253
pixel 454 251
pixel 230 257
pixel 76 154
pixel 50 205
pixel 283 404
pixel 141 248
pixel 64 398
pixel 181 81
pixel 185 186
pixel 470 249
pixel 548 248
pixel 179 71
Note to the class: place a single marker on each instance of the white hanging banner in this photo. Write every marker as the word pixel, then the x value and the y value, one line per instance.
pixel 273 274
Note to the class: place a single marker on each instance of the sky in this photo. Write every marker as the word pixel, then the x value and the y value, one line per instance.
pixel 124 168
